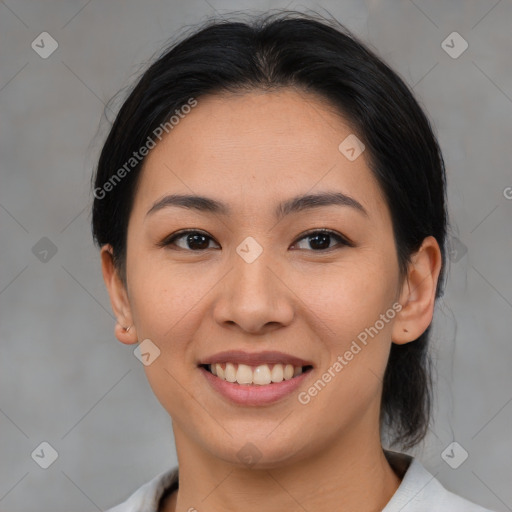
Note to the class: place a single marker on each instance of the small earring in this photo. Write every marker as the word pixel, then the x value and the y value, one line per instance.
pixel 127 328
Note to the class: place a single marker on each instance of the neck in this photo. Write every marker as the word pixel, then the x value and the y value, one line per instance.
pixel 352 474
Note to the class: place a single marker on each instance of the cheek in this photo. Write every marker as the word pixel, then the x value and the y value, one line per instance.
pixel 353 307
pixel 166 310
pixel 351 296
pixel 161 293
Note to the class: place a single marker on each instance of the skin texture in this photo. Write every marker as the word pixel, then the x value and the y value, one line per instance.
pixel 252 151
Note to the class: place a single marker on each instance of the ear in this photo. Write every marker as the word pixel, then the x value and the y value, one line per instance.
pixel 418 293
pixel 124 330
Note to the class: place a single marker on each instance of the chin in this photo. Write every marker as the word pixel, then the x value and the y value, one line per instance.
pixel 257 452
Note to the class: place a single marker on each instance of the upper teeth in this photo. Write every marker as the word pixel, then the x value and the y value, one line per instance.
pixel 261 375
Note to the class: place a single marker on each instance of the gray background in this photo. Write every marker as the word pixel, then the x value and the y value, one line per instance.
pixel 66 380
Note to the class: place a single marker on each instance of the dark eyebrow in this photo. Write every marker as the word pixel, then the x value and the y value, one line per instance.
pixel 305 202
pixel 295 204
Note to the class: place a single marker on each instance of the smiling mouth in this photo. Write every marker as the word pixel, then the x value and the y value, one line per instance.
pixel 260 375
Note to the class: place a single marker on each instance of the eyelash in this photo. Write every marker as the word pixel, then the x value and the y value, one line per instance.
pixel 343 241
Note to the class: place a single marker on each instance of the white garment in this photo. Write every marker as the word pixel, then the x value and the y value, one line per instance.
pixel 419 491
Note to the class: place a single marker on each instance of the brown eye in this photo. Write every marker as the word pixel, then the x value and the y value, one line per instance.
pixel 320 240
pixel 192 240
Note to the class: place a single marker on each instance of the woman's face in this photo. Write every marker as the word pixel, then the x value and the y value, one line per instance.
pixel 253 281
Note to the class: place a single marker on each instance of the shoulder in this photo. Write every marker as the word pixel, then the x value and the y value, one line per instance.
pixel 146 498
pixel 420 491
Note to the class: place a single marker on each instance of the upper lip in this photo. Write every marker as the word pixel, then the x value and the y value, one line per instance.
pixel 254 359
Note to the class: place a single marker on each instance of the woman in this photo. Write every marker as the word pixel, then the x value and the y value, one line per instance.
pixel 270 206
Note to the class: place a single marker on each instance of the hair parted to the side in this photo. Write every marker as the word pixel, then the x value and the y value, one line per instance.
pixel 312 54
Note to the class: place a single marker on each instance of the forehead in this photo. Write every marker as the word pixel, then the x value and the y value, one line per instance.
pixel 258 145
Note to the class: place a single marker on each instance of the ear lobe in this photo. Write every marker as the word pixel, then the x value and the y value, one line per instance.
pixel 125 334
pixel 418 293
pixel 124 331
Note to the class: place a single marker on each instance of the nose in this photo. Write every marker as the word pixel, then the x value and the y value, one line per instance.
pixel 254 296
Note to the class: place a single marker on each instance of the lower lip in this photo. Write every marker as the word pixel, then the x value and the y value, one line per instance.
pixel 254 394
